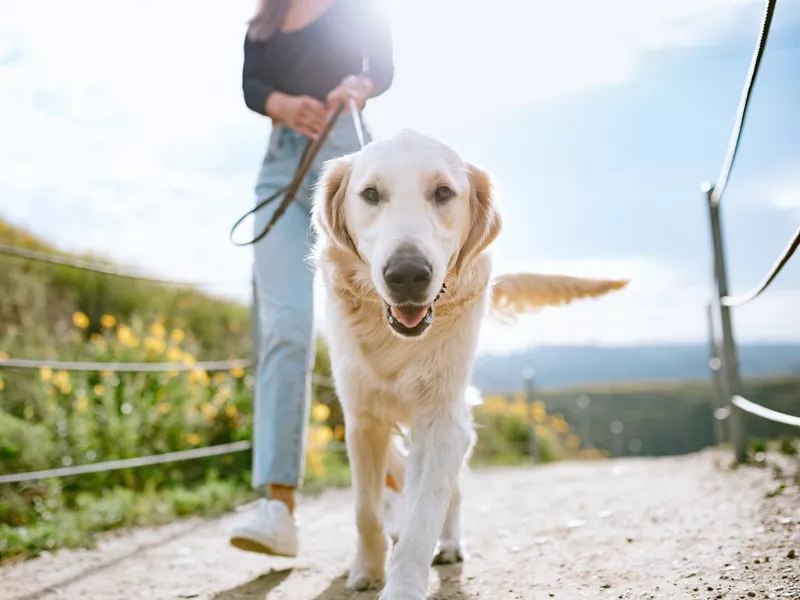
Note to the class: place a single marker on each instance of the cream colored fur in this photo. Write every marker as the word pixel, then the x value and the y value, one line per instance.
pixel 382 378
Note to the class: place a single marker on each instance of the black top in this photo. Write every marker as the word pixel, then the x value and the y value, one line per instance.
pixel 313 60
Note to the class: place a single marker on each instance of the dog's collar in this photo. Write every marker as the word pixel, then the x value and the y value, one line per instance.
pixel 441 292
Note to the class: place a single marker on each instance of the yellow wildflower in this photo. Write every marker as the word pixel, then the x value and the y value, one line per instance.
pixel 157 329
pixel 177 335
pixel 573 442
pixel 494 404
pixel 188 359
pixel 338 432
pixel 174 354
pixel 154 345
pixel 320 436
pixel 208 411
pixel 231 411
pixel 315 463
pixel 224 393
pixel 172 373
pixel 125 334
pixel 538 411
pixel 199 376
pixel 80 320
pixel 193 438
pixel 46 373
pixel 106 374
pixel 108 321
pixel 3 355
pixel 320 413
pixel 164 408
pixel 61 378
pixel 2 385
pixel 82 404
pixel 518 409
pixel 560 425
pixel 219 377
pixel 237 372
pixel 99 390
pixel 161 395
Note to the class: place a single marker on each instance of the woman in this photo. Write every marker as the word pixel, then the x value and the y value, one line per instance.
pixel 302 58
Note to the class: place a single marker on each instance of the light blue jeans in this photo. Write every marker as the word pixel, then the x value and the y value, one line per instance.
pixel 284 305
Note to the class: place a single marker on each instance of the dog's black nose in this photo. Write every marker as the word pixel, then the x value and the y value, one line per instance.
pixel 408 276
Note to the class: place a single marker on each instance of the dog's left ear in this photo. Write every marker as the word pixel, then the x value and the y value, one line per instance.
pixel 485 220
pixel 328 211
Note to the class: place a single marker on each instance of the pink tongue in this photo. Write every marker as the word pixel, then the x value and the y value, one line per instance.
pixel 410 317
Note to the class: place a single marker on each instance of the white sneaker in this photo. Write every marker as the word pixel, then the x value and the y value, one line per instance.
pixel 273 531
pixel 392 513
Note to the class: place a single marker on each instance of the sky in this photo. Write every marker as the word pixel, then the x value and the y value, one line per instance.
pixel 123 132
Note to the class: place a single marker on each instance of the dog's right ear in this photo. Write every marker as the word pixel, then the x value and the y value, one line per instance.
pixel 329 214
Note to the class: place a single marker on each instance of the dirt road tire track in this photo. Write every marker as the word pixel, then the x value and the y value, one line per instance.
pixel 635 529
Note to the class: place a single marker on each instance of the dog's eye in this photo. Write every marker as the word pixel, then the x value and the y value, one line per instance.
pixel 370 195
pixel 443 193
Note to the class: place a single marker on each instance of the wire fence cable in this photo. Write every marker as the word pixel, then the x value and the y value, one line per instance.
pixel 100 268
pixel 141 367
pixel 736 134
pixel 773 273
pixel 765 413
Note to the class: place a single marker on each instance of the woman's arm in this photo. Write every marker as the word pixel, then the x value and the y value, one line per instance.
pixel 256 90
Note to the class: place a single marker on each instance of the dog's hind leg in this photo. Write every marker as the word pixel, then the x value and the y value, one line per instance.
pixel 367 447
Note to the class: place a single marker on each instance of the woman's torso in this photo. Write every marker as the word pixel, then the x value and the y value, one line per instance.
pixel 313 59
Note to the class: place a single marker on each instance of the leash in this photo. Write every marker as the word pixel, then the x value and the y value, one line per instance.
pixel 306 160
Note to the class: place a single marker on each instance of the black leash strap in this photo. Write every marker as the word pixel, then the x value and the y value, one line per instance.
pixel 309 154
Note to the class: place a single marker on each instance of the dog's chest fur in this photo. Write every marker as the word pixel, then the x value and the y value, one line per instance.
pixel 359 332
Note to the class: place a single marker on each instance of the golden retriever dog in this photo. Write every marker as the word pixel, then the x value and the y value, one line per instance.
pixel 403 227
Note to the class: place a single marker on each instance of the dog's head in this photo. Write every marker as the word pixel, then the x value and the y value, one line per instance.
pixel 412 211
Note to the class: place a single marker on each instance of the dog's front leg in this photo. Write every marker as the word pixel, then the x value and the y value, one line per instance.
pixel 441 440
pixel 367 447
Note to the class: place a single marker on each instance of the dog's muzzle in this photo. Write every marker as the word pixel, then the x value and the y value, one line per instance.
pixel 408 275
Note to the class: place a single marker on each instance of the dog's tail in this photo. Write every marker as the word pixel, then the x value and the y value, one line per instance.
pixel 517 293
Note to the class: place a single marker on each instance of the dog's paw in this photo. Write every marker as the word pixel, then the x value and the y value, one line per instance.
pixel 394 593
pixel 362 578
pixel 450 553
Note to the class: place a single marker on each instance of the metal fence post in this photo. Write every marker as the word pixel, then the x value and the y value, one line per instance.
pixel 533 445
pixel 730 360
pixel 719 411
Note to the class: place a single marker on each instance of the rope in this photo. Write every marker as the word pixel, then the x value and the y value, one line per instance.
pixel 773 273
pixel 140 461
pixel 765 413
pixel 94 267
pixel 124 367
pixel 140 367
pixel 306 160
pixel 733 144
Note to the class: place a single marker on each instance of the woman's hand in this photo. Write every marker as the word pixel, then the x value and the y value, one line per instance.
pixel 356 86
pixel 304 114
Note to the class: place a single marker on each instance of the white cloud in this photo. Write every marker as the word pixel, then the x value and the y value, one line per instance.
pixel 124 131
pixel 461 59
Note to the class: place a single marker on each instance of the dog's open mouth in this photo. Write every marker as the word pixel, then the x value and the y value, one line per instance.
pixel 409 320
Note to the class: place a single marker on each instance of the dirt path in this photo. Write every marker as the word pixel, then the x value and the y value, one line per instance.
pixel 638 528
